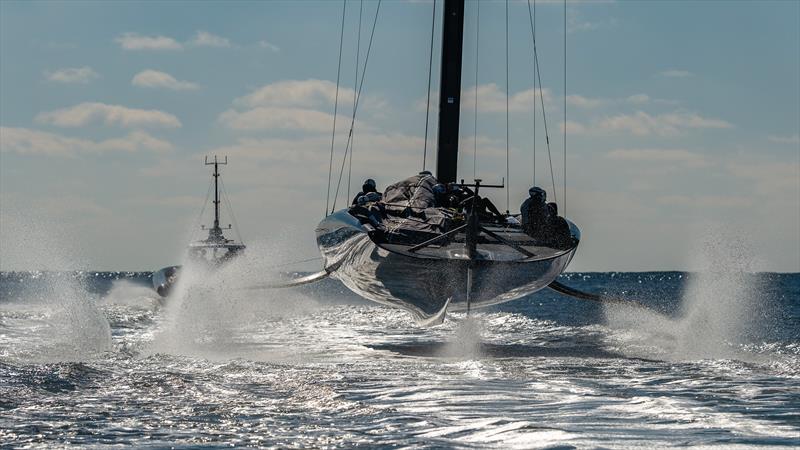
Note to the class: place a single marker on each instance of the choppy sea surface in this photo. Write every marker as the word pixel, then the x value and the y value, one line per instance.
pixel 96 359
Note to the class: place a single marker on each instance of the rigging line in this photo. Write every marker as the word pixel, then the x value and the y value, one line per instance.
pixel 230 211
pixel 508 177
pixel 565 110
pixel 532 18
pixel 428 103
pixel 358 102
pixel 335 107
pixel 475 127
pixel 202 210
pixel 355 84
pixel 544 120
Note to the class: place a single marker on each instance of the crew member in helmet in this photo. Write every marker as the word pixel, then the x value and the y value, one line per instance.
pixel 368 186
pixel 542 222
pixel 536 212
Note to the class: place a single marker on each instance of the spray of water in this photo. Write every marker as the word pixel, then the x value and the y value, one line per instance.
pixel 130 294
pixel 720 308
pixel 68 325
pixel 215 313
pixel 465 339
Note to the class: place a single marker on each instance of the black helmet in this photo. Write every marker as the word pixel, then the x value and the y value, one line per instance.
pixel 537 192
pixel 370 182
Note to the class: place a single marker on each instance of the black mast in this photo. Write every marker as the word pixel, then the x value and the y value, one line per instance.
pixel 450 90
pixel 216 232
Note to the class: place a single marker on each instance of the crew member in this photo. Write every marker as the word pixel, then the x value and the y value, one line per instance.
pixel 536 213
pixel 368 186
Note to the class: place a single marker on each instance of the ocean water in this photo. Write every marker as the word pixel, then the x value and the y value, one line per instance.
pixel 96 359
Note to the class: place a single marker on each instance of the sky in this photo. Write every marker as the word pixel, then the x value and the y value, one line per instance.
pixel 682 120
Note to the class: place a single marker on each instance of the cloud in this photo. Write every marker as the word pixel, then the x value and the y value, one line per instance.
pixel 80 75
pixel 675 73
pixel 283 118
pixel 576 23
pixel 644 124
pixel 269 46
pixel 585 102
pixel 580 101
pixel 294 105
pixel 492 99
pixel 398 154
pixel 86 113
pixel 311 93
pixel 156 79
pixel 684 157
pixel 638 99
pixel 794 139
pixel 301 93
pixel 26 141
pixel 135 41
pixel 206 39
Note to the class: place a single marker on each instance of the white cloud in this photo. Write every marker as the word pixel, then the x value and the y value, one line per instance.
pixel 580 101
pixel 794 139
pixel 311 93
pixel 156 79
pixel 86 113
pixel 135 41
pixel 681 156
pixel 206 39
pixel 576 23
pixel 283 118
pixel 293 105
pixel 26 141
pixel 644 124
pixel 492 99
pixel 81 75
pixel 676 73
pixel 269 46
pixel 300 93
pixel 585 102
pixel 638 99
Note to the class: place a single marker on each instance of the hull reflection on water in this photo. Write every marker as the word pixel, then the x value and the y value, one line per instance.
pixel 422 286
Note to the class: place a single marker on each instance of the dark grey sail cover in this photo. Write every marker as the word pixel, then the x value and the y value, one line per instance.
pixel 410 196
pixel 411 214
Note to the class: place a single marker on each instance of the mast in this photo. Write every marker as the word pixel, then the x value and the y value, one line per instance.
pixel 450 91
pixel 216 231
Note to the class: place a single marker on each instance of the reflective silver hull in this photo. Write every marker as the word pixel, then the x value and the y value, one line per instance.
pixel 423 286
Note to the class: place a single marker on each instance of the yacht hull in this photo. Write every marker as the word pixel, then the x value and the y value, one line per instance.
pixel 423 286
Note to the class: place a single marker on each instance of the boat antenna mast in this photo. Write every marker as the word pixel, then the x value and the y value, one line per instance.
pixel 215 232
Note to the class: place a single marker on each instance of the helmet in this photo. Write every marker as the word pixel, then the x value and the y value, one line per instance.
pixel 372 197
pixel 439 188
pixel 361 200
pixel 369 182
pixel 537 192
